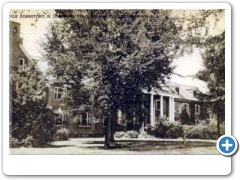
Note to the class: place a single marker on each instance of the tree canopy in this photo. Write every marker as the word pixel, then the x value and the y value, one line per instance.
pixel 107 57
pixel 117 52
pixel 214 75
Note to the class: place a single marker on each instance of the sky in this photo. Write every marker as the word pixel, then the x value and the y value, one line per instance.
pixel 188 65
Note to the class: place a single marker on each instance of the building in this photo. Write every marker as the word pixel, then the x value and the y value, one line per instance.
pixel 80 122
pixel 18 55
pixel 166 104
pixel 169 103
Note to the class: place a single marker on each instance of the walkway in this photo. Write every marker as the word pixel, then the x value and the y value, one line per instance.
pixel 123 146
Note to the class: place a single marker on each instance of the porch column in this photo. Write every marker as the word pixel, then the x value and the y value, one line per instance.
pixel 161 106
pixel 173 109
pixel 170 109
pixel 119 116
pixel 152 120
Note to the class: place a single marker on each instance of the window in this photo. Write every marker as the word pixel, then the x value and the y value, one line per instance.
pixel 197 109
pixel 177 89
pixel 21 62
pixel 84 119
pixel 194 93
pixel 60 119
pixel 58 93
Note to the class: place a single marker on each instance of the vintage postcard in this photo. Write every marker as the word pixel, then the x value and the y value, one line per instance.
pixel 129 79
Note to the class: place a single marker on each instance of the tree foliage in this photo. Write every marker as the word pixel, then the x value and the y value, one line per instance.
pixel 107 57
pixel 214 75
pixel 197 26
pixel 29 116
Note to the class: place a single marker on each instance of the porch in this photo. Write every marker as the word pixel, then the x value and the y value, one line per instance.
pixel 161 106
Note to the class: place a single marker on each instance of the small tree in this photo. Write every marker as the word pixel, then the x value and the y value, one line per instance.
pixel 29 115
pixel 214 75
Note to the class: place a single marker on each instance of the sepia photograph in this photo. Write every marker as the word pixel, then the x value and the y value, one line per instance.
pixel 116 81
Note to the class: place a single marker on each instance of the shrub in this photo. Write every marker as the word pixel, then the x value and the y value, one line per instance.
pixel 132 134
pixel 29 141
pixel 145 135
pixel 175 130
pixel 62 134
pixel 128 134
pixel 119 134
pixel 165 129
pixel 13 142
pixel 33 130
pixel 213 126
pixel 203 131
pixel 31 122
pixel 199 132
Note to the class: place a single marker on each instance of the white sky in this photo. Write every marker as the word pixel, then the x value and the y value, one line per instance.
pixel 187 65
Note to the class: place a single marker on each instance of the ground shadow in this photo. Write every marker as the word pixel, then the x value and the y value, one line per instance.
pixel 53 146
pixel 141 146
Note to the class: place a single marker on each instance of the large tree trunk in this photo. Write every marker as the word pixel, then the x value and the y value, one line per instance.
pixel 112 129
pixel 218 126
pixel 107 131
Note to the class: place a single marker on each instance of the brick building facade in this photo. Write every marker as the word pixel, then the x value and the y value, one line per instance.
pixel 169 102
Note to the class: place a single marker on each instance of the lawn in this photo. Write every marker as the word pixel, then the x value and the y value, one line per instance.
pixel 123 146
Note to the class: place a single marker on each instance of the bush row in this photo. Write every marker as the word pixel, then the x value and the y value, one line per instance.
pixel 30 141
pixel 128 134
pixel 203 130
pixel 62 134
pixel 166 129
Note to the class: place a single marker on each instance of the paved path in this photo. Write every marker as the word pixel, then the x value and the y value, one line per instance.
pixel 126 146
pixel 178 140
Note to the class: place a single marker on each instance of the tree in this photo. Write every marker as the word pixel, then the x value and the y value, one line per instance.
pixel 202 29
pixel 214 75
pixel 106 57
pixel 31 122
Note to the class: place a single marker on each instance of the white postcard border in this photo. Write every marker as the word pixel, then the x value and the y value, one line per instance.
pixel 113 164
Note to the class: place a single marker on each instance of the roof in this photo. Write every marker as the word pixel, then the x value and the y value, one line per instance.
pixel 15 22
pixel 25 52
pixel 28 55
pixel 185 91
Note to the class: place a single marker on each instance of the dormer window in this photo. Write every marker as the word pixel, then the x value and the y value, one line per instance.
pixel 194 93
pixel 177 89
pixel 21 62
